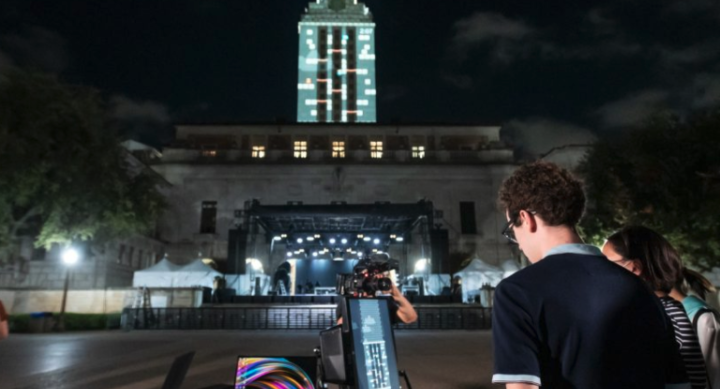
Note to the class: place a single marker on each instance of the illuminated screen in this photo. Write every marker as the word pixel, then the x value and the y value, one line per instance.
pixel 276 373
pixel 374 345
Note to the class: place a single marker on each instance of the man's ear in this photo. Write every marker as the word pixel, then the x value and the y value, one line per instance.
pixel 528 218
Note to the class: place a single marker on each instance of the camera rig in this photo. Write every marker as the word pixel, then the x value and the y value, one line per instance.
pixel 368 277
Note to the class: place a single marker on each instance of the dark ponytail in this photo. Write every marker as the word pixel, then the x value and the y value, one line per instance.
pixel 696 283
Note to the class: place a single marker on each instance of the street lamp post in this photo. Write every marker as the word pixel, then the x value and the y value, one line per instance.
pixel 69 257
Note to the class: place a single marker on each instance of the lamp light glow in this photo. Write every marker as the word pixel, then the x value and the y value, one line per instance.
pixel 70 256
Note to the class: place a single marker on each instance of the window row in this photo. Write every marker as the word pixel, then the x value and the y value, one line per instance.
pixel 300 150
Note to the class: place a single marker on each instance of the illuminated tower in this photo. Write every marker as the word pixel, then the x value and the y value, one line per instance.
pixel 336 67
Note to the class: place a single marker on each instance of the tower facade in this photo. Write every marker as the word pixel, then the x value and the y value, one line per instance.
pixel 336 66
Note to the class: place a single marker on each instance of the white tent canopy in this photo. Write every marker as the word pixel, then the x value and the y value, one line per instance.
pixel 479 273
pixel 166 274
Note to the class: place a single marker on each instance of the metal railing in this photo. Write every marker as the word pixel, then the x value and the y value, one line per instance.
pixel 290 318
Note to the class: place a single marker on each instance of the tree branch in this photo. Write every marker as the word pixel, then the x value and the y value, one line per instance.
pixel 34 211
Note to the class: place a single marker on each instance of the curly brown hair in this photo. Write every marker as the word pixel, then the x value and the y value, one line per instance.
pixel 545 189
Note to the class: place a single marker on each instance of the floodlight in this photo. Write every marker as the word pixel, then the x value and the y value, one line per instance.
pixel 70 256
pixel 421 265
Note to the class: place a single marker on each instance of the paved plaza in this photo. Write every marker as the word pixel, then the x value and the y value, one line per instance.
pixel 140 359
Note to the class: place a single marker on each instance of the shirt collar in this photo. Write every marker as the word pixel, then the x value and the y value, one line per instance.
pixel 574 248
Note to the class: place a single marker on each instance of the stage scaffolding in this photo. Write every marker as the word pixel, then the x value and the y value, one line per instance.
pixel 267 237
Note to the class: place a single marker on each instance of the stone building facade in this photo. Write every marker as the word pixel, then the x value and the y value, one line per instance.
pixel 214 169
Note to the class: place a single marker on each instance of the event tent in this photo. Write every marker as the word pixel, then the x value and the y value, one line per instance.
pixel 479 273
pixel 166 274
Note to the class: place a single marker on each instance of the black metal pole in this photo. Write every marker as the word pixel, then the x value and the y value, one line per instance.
pixel 61 320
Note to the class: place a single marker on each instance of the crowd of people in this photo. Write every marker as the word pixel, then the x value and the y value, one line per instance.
pixel 628 316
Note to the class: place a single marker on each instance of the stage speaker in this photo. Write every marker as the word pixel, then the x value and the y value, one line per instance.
pixel 440 249
pixel 237 246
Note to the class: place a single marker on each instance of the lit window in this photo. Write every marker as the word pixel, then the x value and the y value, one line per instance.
pixel 300 149
pixel 418 152
pixel 376 149
pixel 338 149
pixel 258 152
pixel 209 153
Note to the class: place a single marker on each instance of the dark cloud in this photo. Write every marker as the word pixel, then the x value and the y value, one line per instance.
pixel 538 136
pixel 125 109
pixel 487 27
pixel 36 47
pixel 632 109
pixel 146 121
pixel 705 90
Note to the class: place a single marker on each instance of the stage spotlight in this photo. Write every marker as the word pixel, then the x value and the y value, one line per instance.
pixel 399 239
pixel 299 240
pixel 283 236
pixel 317 236
pixel 349 250
pixel 360 236
pixel 392 236
pixel 367 238
pixel 315 253
pixel 375 250
pixel 332 241
pixel 343 241
pixel 376 241
pixel 310 238
pixel 277 238
pixel 421 265
pixel 289 254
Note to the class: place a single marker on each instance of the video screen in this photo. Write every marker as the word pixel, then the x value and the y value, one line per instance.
pixel 276 373
pixel 372 337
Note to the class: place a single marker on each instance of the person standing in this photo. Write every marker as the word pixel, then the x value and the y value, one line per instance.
pixel 651 257
pixel 572 319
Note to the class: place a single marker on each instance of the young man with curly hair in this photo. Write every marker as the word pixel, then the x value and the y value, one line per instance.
pixel 570 320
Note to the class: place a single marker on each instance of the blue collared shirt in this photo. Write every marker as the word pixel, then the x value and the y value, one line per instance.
pixel 574 248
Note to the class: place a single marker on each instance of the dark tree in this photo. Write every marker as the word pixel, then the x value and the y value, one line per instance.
pixel 664 175
pixel 63 174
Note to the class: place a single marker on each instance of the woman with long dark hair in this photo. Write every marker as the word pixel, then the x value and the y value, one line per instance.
pixel 651 257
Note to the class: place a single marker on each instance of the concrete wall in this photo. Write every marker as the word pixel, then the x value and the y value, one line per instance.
pixel 111 266
pixel 95 301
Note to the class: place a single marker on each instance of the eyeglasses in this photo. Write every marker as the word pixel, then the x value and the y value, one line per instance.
pixel 509 230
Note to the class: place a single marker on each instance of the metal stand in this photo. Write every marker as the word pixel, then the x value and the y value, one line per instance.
pixel 404 374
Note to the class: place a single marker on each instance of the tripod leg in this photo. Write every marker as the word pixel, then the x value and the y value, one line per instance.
pixel 403 374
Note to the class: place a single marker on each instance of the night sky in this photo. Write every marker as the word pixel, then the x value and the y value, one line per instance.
pixel 549 71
